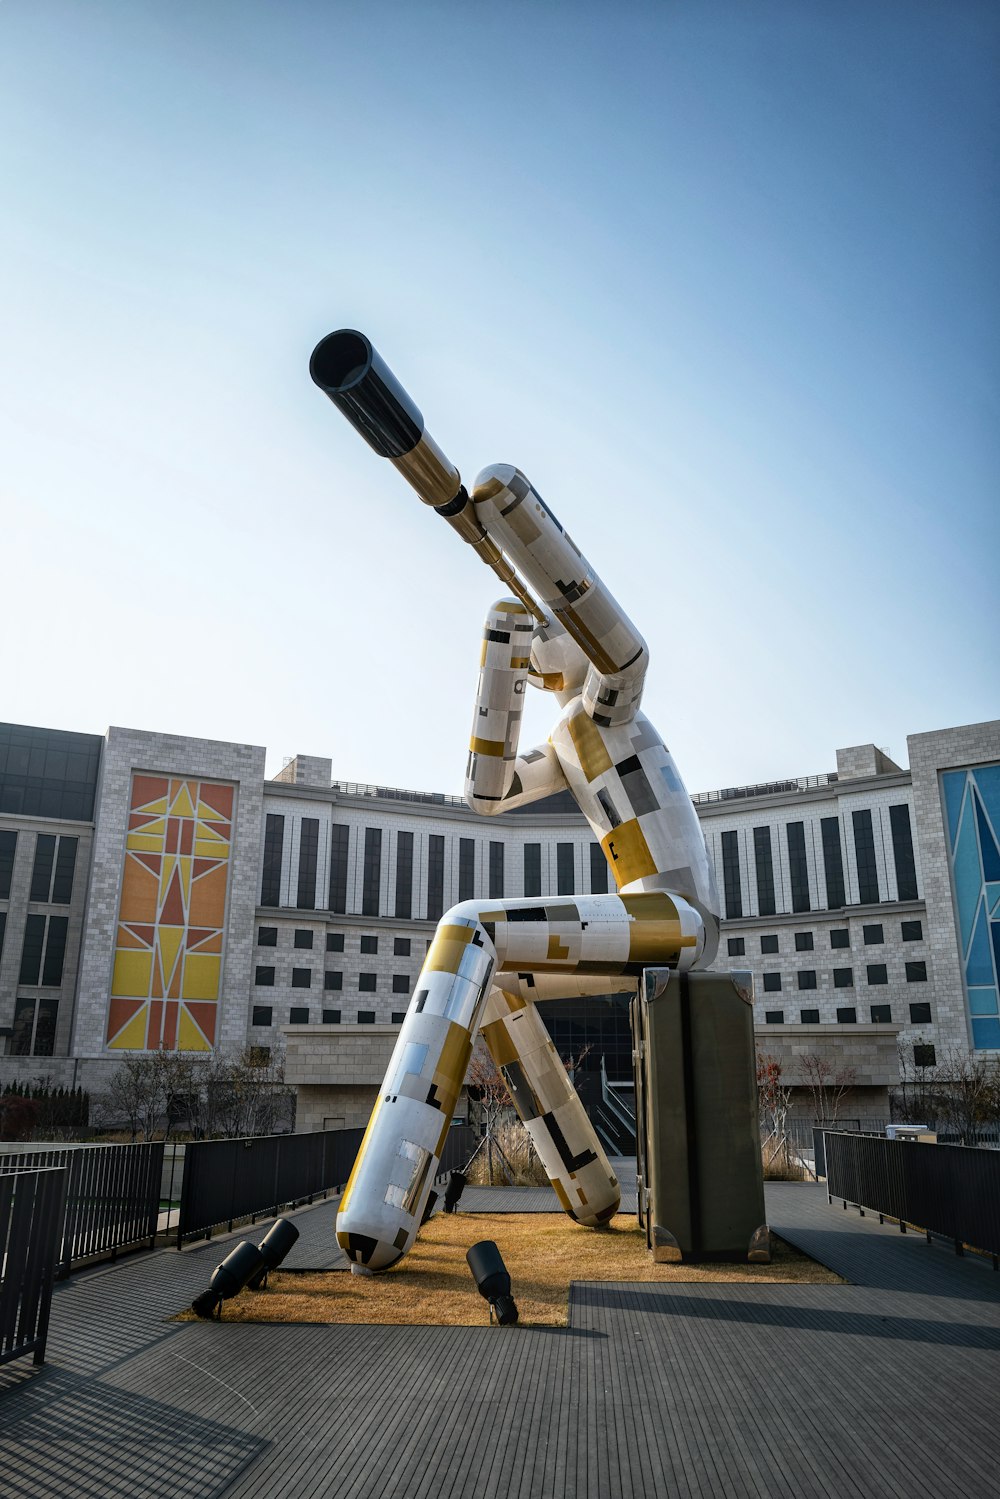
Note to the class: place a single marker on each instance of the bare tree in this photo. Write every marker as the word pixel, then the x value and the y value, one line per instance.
pixel 773 1098
pixel 827 1085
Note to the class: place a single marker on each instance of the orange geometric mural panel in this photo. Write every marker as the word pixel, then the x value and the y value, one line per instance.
pixel 171 916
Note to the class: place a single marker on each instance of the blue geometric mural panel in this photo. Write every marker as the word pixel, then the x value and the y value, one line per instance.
pixel 986 1035
pixel 987 845
pixel 979 967
pixel 988 781
pixel 954 790
pixel 967 874
pixel 982 1001
pixel 972 823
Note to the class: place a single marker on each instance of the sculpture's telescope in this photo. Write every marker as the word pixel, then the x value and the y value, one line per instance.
pixel 358 381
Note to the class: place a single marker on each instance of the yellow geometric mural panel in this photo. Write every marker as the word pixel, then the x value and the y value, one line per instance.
pixel 172 914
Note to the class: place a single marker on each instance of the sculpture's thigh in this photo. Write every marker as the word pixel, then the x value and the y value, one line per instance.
pixel 547 1102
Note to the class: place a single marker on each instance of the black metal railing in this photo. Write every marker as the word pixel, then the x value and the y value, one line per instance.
pixel 950 1190
pixel 226 1181
pixel 112 1196
pixel 31 1217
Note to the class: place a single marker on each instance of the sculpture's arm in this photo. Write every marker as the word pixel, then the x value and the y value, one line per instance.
pixel 497 778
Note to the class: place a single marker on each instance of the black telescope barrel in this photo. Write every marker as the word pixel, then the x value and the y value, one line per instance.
pixel 358 381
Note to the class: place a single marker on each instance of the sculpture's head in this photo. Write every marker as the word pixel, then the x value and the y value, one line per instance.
pixel 557 663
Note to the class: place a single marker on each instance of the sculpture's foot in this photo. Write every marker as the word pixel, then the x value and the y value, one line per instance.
pixel 759 1252
pixel 666 1250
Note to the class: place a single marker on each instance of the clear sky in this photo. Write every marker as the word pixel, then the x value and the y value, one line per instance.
pixel 721 278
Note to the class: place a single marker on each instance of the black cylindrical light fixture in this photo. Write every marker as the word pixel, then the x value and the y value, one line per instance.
pixel 273 1247
pixel 428 1210
pixel 492 1280
pixel 453 1191
pixel 229 1277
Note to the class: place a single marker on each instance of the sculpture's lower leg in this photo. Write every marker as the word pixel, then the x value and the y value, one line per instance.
pixel 550 1108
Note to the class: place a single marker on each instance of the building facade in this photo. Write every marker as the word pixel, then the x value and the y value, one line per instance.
pixel 158 892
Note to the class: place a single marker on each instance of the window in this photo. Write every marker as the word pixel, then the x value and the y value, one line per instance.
pixel 565 878
pixel 398 1016
pixel 435 876
pixel 274 840
pixel 305 897
pixel 736 947
pixel 8 848
pixel 258 1056
pixel 598 870
pixel 372 872
pixel 298 1015
pixel 303 938
pixel 401 947
pixel 774 1017
pixel 916 973
pixel 731 875
pixel 267 936
pixel 261 1015
pixel 772 983
pixel 840 937
pixel 401 983
pixel 807 978
pixel 532 869
pixel 48 773
pixel 765 871
pixel 902 852
pixel 339 840
pixel 803 942
pixel 301 978
pixel 52 872
pixel 496 870
pixel 847 1015
pixel 920 1014
pixel 333 979
pixel 864 848
pixel 42 954
pixel 3 929
pixel 41 871
pixel 466 868
pixel 403 908
pixel 881 1014
pixel 331 1017
pixel 366 1017
pixel 264 976
pixel 335 942
pixel 34 1030
pixel 843 978
pixel 369 944
pixel 768 944
pixel 877 973
pixel 809 1017
pixel 833 863
pixel 912 931
pixel 924 1055
pixel 798 867
pixel 873 934
pixel 367 983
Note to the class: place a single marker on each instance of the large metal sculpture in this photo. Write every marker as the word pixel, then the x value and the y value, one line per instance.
pixel 563 632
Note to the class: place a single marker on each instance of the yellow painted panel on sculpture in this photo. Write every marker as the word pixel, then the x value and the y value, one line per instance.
pixel 131 973
pixel 189 1037
pixel 132 1037
pixel 201 976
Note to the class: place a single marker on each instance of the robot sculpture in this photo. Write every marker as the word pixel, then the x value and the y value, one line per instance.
pixel 563 632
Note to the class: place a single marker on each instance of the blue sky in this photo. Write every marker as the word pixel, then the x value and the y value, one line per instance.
pixel 720 278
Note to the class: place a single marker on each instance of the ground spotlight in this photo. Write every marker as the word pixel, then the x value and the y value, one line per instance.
pixel 229 1278
pixel 492 1280
pixel 428 1210
pixel 453 1191
pixel 273 1247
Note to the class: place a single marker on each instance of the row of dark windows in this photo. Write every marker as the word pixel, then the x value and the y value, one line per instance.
pixel 833 863
pixel 303 937
pixel 843 978
pixel 52 871
pixel 848 1015
pixel 34 1029
pixel 873 933
pixel 371 877
pixel 333 978
pixel 263 1015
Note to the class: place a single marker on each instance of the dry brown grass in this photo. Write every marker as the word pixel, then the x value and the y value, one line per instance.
pixel 432 1286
